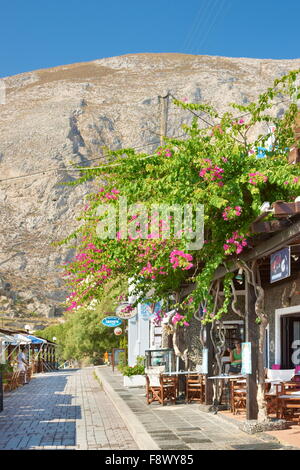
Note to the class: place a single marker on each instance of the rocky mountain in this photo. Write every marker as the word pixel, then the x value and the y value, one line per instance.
pixel 66 114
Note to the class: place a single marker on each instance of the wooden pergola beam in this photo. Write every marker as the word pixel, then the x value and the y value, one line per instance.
pixel 265 248
pixel 270 226
pixel 285 209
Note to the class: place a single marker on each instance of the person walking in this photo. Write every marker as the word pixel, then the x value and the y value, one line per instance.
pixel 23 364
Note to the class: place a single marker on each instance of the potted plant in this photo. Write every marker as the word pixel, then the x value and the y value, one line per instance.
pixel 134 376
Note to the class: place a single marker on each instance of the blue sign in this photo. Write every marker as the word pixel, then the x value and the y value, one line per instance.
pixel 112 321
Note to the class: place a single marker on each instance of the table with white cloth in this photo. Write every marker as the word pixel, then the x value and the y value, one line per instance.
pixel 182 372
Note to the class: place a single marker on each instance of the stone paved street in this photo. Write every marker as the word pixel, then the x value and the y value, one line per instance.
pixel 62 410
pixel 184 427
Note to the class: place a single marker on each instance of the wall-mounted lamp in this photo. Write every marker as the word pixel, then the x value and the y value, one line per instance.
pixel 266 207
pixel 240 277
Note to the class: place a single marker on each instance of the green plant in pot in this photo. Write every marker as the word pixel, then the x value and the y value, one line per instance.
pixel 137 369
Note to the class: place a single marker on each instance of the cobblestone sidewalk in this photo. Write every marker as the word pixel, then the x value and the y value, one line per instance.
pixel 184 427
pixel 62 410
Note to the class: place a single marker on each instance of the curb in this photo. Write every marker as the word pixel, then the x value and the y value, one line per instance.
pixel 264 435
pixel 143 440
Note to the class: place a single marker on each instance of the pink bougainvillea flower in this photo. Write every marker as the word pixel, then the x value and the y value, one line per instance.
pixel 230 213
pixel 257 177
pixel 180 259
pixel 72 306
pixel 235 244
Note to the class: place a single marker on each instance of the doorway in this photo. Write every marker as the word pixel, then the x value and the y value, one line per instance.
pixel 287 335
pixel 290 340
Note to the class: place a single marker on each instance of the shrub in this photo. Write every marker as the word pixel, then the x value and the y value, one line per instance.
pixel 137 369
pixel 122 361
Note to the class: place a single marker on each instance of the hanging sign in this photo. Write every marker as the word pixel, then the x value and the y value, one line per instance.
pixel 118 331
pixel 125 311
pixel 280 267
pixel 246 358
pixel 111 321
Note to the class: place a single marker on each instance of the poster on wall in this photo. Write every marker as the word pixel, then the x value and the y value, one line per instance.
pixel 280 264
pixel 204 366
pixel 148 309
pixel 246 358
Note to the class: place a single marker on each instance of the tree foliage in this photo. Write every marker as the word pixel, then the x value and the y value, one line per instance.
pixel 216 166
pixel 83 335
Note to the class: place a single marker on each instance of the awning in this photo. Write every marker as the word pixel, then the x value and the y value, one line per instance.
pixel 8 339
pixel 22 339
pixel 36 340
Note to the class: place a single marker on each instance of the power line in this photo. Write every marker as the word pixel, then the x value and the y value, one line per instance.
pixel 205 24
pixel 67 168
pixel 209 124
pixel 71 167
pixel 201 16
pixel 212 23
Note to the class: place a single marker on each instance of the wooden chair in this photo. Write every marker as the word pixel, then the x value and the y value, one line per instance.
pixel 195 388
pixel 29 372
pixel 161 388
pixel 289 408
pixel 21 378
pixel 169 387
pixel 238 396
pixel 7 381
pixel 272 392
pixel 12 381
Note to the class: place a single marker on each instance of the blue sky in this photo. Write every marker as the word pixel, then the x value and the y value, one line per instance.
pixel 39 34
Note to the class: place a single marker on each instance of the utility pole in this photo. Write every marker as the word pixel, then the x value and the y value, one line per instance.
pixel 164 110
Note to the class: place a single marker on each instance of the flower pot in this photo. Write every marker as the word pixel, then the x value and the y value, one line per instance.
pixel 134 381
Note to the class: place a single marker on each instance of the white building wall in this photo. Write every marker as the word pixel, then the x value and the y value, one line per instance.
pixel 138 337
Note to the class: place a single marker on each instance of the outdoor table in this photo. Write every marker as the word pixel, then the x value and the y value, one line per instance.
pixel 284 400
pixel 181 372
pixel 227 378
